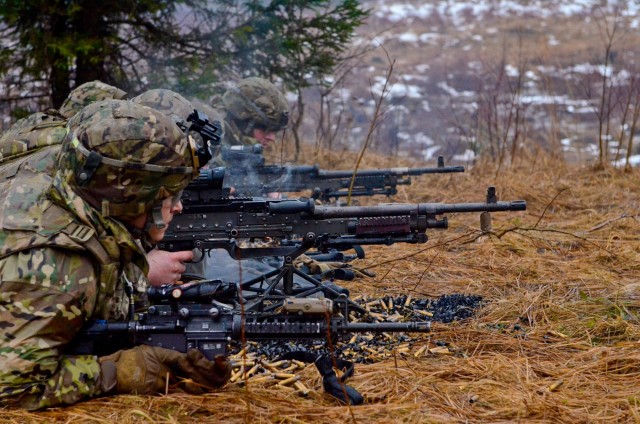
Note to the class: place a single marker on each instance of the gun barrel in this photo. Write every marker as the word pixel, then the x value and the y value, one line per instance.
pixel 397 172
pixel 438 170
pixel 515 205
pixel 328 212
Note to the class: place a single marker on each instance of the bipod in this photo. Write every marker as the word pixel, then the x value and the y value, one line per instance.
pixel 280 285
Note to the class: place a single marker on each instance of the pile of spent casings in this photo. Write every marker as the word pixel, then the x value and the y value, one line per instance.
pixel 259 363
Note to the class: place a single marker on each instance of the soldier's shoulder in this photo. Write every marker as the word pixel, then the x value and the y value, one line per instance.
pixel 32 133
pixel 63 271
pixel 27 212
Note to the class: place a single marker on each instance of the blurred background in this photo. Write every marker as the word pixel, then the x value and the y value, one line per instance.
pixel 496 80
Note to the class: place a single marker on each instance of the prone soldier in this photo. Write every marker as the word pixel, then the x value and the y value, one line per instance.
pixel 71 244
pixel 34 142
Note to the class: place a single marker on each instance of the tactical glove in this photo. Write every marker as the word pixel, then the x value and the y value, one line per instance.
pixel 143 370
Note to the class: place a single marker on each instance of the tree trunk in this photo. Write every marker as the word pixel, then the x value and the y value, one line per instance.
pixel 90 25
pixel 59 83
pixel 59 74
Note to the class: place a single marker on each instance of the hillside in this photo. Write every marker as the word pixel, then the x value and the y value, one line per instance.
pixel 478 77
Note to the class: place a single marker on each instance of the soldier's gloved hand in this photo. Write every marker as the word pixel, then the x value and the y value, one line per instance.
pixel 143 370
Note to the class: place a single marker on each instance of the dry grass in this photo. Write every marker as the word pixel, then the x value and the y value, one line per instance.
pixel 558 341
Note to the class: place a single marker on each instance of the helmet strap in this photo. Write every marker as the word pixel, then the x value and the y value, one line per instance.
pixel 89 168
pixel 155 218
pixel 248 130
pixel 245 126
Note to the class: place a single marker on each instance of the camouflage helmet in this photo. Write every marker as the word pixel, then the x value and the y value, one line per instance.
pixel 168 102
pixel 255 102
pixel 124 159
pixel 88 93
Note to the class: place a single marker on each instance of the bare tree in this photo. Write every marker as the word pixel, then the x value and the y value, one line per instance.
pixel 608 27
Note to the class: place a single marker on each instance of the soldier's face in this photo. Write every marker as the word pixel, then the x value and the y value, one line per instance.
pixel 170 206
pixel 264 137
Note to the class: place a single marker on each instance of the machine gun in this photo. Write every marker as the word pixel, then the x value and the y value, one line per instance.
pixel 183 321
pixel 247 173
pixel 184 318
pixel 211 222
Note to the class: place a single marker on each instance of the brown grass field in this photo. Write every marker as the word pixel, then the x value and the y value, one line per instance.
pixel 557 341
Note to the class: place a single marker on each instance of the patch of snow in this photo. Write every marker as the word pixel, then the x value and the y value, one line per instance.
pixel 634 160
pixel 344 94
pixel 396 90
pixel 428 153
pixel 453 92
pixel 467 156
pixel 407 37
pixel 531 75
pixel 291 97
pixel 423 139
pixel 511 71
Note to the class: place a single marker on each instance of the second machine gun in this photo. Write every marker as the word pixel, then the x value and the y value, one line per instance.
pixel 246 172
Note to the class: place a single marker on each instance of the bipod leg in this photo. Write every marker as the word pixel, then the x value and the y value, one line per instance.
pixel 268 294
pixel 284 274
pixel 257 284
pixel 288 271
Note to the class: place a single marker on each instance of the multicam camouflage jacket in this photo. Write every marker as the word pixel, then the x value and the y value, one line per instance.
pixel 43 129
pixel 61 264
pixel 35 132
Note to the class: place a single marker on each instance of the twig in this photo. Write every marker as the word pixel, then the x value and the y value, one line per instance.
pixel 375 120
pixel 611 221
pixel 548 205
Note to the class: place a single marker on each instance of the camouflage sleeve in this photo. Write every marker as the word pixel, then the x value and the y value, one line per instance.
pixel 45 296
